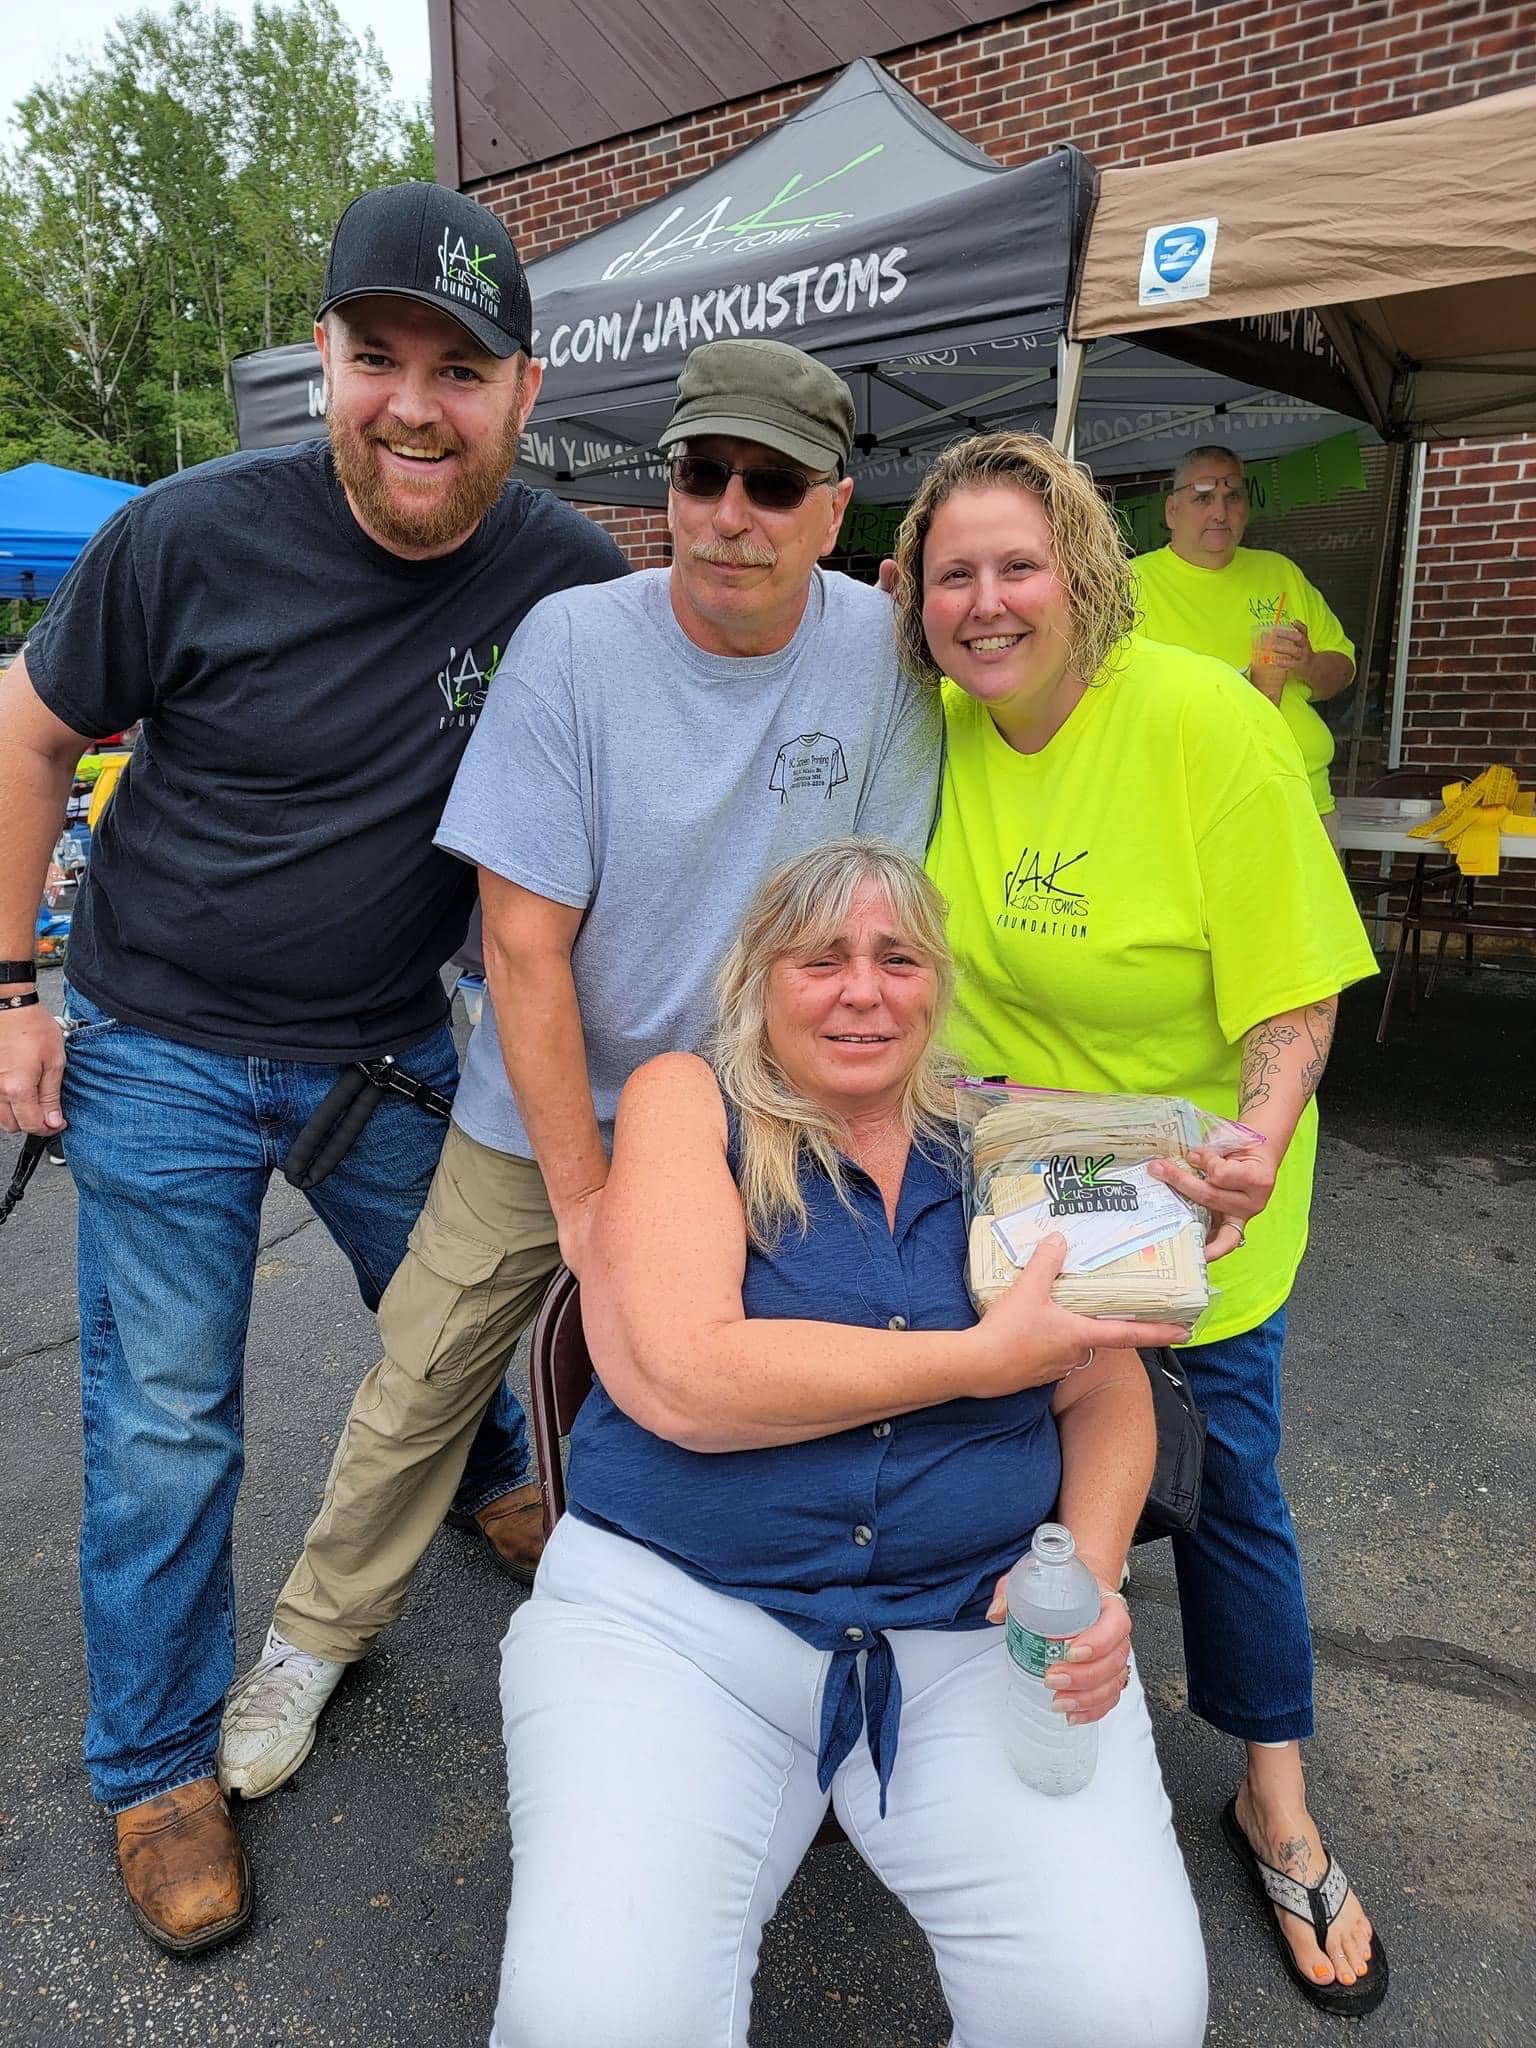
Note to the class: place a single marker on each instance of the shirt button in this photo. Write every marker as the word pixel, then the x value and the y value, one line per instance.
pixel 863 1534
pixel 853 1635
pixel 881 1429
pixel 897 1323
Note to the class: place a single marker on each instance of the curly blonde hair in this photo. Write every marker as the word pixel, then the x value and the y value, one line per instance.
pixel 1089 555
pixel 798 908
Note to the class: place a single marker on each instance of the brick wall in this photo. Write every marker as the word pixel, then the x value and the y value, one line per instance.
pixel 1130 82
pixel 1126 81
pixel 1472 663
pixel 640 533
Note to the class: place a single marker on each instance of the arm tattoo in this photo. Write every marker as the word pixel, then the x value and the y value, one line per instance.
pixel 1262 1047
pixel 1267 1053
pixel 1319 1019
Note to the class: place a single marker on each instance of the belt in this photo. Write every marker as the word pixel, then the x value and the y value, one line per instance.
pixel 324 1141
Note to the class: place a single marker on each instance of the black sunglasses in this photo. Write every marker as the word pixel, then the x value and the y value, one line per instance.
pixel 771 490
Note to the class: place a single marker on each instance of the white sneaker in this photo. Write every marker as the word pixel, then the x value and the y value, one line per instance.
pixel 270 1717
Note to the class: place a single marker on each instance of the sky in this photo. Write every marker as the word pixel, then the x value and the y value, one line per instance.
pixel 37 36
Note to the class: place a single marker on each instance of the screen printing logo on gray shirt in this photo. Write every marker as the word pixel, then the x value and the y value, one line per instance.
pixel 812 762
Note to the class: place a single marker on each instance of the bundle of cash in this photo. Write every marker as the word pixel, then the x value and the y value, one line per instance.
pixel 1044 1160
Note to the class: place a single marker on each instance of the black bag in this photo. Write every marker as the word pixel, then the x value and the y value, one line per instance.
pixel 1173 1499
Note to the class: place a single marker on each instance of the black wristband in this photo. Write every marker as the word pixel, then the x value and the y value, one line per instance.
pixel 19 1002
pixel 17 970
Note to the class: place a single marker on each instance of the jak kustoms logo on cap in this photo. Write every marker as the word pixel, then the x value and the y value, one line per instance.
pixel 465 274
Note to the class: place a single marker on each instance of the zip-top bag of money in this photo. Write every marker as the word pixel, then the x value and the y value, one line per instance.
pixel 1044 1160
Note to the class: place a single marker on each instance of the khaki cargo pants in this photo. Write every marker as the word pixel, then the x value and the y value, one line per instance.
pixel 477 1263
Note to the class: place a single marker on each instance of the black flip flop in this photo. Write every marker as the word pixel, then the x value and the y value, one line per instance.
pixel 1319 1905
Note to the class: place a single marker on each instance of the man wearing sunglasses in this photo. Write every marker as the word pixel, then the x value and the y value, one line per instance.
pixel 653 747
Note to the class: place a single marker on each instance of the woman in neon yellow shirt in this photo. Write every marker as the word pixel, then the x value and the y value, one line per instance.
pixel 1142 900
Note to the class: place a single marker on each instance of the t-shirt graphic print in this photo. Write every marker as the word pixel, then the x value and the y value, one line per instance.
pixel 812 761
pixel 1045 890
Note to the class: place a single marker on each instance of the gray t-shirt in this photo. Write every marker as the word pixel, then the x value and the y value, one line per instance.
pixel 621 770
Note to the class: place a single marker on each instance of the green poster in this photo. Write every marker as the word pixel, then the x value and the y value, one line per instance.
pixel 1276 485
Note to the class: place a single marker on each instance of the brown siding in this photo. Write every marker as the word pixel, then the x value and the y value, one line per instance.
pixel 531 79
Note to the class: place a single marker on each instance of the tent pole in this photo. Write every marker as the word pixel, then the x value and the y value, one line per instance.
pixel 1373 615
pixel 1071 358
pixel 1405 597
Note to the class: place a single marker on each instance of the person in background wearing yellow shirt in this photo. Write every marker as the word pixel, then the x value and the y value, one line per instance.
pixel 1207 592
pixel 1141 902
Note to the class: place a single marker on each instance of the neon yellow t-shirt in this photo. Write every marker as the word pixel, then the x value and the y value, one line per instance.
pixel 1126 903
pixel 1215 611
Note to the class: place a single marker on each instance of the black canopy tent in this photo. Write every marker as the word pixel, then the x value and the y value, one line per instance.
pixel 864 229
pixel 279 395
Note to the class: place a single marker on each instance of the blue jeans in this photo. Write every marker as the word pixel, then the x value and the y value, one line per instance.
pixel 1247 1640
pixel 171 1149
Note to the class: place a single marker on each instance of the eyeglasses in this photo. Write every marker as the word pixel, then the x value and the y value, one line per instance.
pixel 770 490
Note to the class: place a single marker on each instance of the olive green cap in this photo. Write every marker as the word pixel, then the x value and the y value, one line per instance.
pixel 768 392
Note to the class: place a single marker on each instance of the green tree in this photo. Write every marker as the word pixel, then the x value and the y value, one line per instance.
pixel 317 132
pixel 168 208
pixel 173 93
pixel 82 256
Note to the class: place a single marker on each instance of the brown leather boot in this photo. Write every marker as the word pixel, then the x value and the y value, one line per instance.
pixel 513 1528
pixel 188 1882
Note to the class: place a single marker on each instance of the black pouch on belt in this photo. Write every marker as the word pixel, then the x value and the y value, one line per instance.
pixel 1173 1500
pixel 338 1123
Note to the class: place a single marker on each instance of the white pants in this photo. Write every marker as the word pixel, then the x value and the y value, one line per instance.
pixel 661 1763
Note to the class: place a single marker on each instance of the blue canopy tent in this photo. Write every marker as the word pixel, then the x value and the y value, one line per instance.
pixel 46 517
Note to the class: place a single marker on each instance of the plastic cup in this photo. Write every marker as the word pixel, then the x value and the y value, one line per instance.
pixel 1264 667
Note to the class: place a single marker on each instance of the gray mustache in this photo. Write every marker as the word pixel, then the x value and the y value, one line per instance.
pixel 733 554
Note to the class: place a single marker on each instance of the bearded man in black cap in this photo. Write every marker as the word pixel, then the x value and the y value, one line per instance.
pixel 656 747
pixel 308 634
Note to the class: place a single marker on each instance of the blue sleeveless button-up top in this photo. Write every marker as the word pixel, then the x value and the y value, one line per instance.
pixel 901 1523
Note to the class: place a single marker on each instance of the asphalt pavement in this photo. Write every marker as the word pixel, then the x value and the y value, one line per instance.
pixel 382 1870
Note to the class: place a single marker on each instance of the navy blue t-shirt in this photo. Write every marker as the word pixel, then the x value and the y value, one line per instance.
pixel 904 1523
pixel 264 880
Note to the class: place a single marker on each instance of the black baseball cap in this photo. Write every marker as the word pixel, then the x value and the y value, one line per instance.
pixel 428 243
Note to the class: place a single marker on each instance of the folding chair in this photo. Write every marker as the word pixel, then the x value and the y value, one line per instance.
pixel 560 1378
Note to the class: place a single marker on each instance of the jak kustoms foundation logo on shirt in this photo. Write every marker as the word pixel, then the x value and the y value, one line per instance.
pixel 1043 893
pixel 462 683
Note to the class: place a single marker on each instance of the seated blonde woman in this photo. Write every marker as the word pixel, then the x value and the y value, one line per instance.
pixel 794 1492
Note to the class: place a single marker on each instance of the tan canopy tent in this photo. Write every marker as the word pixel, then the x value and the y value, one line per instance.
pixel 1395 262
pixel 1387 271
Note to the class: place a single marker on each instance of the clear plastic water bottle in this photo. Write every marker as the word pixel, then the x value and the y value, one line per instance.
pixel 1052 1595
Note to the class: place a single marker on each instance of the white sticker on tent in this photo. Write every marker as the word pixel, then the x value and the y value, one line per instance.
pixel 1176 262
